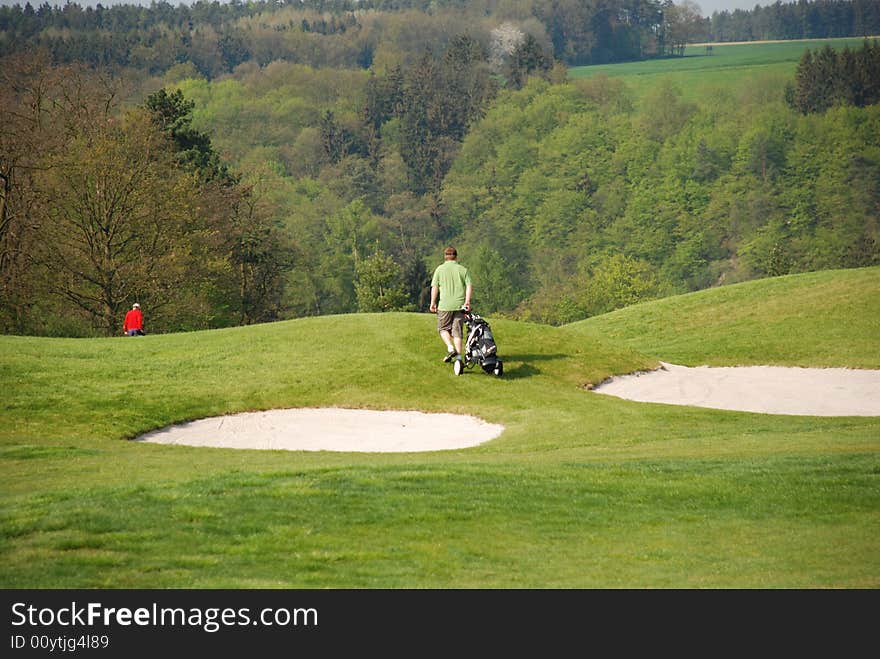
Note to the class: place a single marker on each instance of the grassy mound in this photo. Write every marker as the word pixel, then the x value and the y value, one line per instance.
pixel 821 319
pixel 118 388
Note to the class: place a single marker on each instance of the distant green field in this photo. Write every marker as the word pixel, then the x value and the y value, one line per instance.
pixel 580 491
pixel 727 66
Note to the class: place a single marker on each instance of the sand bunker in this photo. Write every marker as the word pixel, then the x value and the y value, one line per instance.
pixel 331 429
pixel 765 389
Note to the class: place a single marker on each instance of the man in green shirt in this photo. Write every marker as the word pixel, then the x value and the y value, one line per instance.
pixel 452 282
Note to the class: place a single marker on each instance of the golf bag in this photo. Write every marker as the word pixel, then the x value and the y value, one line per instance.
pixel 480 347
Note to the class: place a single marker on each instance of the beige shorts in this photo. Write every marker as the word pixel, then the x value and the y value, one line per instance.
pixel 451 321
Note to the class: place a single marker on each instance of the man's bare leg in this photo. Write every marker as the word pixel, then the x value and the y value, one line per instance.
pixel 450 340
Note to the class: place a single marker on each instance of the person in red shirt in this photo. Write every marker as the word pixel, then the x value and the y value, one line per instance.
pixel 134 321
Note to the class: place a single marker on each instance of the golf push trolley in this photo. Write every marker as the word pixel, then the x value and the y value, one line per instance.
pixel 479 347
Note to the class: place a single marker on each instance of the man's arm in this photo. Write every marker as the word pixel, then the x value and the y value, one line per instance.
pixel 468 291
pixel 435 290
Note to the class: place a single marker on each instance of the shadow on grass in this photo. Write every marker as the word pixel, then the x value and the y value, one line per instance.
pixel 522 366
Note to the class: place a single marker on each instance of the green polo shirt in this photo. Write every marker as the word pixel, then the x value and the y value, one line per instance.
pixel 452 279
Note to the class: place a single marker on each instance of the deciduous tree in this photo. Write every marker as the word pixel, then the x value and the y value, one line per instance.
pixel 119 211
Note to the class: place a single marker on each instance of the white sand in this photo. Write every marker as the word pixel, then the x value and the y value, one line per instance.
pixel 331 429
pixel 765 389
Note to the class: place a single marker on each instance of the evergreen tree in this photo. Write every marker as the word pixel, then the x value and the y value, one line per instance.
pixel 172 113
pixel 420 142
pixel 528 57
pixel 827 78
pixel 332 137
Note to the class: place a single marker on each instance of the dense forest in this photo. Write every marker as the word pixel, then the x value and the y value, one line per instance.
pixel 803 19
pixel 316 172
pixel 217 37
pixel 580 201
pixel 829 77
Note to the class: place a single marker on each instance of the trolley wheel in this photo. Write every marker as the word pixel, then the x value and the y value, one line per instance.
pixel 458 367
pixel 499 369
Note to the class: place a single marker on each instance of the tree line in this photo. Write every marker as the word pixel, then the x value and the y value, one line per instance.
pixel 286 190
pixel 217 37
pixel 805 19
pixel 826 77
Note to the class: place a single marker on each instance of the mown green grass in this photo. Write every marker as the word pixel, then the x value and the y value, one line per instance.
pixel 729 67
pixel 581 490
pixel 821 319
